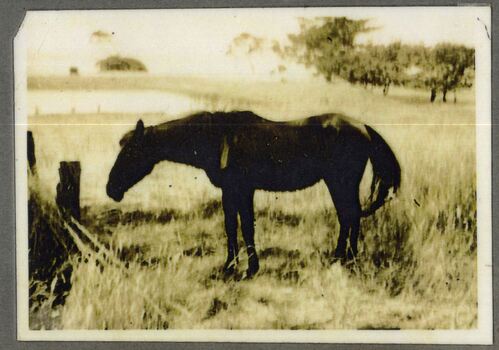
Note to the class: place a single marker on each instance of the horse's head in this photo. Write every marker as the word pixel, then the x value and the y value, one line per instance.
pixel 134 162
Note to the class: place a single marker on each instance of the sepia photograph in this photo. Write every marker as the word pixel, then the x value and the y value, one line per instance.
pixel 254 175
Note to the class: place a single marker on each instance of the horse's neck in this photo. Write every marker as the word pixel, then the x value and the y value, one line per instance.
pixel 190 144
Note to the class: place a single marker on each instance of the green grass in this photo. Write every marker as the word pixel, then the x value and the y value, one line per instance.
pixel 416 267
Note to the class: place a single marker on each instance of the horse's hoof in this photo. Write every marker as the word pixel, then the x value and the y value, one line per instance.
pixel 351 255
pixel 337 260
pixel 229 270
pixel 350 262
pixel 230 266
pixel 252 270
pixel 228 274
pixel 232 275
pixel 339 256
pixel 249 274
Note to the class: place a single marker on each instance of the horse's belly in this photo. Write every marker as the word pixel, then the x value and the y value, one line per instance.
pixel 282 178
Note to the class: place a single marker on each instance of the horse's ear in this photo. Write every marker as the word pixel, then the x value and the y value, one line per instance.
pixel 139 129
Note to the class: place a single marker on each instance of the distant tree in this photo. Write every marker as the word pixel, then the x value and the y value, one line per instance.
pixel 447 67
pixel 326 43
pixel 431 77
pixel 248 46
pixel 276 48
pixel 468 78
pixel 245 44
pixel 377 65
pixel 100 36
pixel 451 62
pixel 391 66
pixel 117 63
pixel 418 71
pixel 444 67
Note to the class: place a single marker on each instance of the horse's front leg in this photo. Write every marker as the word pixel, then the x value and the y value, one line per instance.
pixel 247 214
pixel 229 204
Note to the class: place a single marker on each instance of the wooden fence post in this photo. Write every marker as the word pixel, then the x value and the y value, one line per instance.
pixel 50 243
pixel 68 189
pixel 31 153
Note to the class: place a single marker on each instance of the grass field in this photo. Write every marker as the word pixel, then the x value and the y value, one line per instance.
pixel 416 267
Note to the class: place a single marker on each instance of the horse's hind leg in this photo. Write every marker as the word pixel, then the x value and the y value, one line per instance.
pixel 229 203
pixel 345 195
pixel 246 211
pixel 354 236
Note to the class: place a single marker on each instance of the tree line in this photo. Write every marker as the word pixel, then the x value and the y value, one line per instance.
pixel 328 45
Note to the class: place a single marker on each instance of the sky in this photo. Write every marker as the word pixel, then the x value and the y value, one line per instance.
pixel 195 42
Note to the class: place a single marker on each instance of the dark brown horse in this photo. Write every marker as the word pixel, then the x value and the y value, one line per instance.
pixel 242 152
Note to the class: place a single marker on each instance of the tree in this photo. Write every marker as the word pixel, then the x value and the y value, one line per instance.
pixel 450 62
pixel 391 66
pixel 379 66
pixel 245 44
pixel 326 43
pixel 117 63
pixel 444 67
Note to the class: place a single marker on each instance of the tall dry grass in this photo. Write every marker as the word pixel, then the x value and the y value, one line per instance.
pixel 417 262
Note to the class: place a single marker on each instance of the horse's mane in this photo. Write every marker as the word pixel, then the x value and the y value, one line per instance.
pixel 237 116
pixel 182 120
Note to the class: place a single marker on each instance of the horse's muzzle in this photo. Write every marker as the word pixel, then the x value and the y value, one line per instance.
pixel 113 193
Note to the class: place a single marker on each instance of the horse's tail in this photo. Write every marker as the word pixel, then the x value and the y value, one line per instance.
pixel 386 171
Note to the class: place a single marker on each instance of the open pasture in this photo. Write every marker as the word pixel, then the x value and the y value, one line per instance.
pixel 416 267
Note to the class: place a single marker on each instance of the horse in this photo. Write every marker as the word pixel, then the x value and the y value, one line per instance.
pixel 242 152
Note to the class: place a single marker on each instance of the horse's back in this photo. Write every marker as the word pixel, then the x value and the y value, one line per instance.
pixel 334 121
pixel 315 136
pixel 236 119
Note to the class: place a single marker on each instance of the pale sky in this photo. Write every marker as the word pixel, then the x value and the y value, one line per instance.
pixel 196 41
